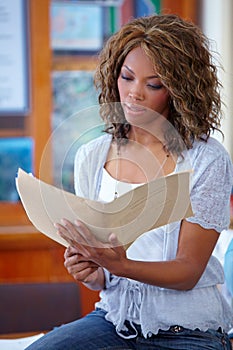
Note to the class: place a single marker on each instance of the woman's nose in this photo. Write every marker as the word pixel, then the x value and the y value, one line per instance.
pixel 136 94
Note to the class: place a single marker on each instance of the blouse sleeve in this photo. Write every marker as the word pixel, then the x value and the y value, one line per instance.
pixel 210 194
pixel 88 166
pixel 81 173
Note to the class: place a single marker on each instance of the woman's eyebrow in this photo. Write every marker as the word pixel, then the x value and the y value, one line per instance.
pixel 132 72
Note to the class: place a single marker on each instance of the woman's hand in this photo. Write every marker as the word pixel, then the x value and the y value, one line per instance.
pixel 83 270
pixel 91 252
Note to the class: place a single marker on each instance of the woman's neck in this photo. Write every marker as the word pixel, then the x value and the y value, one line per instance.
pixel 144 137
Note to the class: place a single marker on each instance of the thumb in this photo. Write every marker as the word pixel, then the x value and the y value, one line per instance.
pixel 113 240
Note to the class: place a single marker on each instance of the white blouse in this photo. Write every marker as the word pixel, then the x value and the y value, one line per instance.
pixel 153 307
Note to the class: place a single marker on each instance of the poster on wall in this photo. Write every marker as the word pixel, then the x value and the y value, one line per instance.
pixel 14 65
pixel 75 120
pixel 76 27
pixel 15 152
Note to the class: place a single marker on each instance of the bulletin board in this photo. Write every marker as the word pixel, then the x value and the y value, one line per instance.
pixel 14 60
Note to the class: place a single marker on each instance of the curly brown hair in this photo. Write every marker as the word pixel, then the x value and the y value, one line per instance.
pixel 182 59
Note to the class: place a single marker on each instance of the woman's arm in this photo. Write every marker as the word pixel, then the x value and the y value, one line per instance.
pixel 182 273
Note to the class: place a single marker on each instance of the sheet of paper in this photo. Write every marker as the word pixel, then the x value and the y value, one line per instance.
pixel 151 205
pixel 18 343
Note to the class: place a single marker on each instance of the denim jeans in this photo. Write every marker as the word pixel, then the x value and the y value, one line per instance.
pixel 93 332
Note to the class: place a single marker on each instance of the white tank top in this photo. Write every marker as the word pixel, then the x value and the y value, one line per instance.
pixel 109 185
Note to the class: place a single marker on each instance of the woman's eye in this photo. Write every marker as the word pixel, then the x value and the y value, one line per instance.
pixel 125 77
pixel 155 87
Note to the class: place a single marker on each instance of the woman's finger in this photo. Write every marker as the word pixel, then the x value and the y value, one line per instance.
pixel 75 242
pixel 86 234
pixel 70 251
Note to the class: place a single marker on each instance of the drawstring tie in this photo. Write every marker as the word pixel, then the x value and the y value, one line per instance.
pixel 133 295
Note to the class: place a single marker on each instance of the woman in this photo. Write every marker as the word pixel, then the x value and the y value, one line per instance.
pixel 162 292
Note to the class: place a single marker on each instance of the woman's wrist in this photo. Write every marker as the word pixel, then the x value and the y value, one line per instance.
pixel 98 282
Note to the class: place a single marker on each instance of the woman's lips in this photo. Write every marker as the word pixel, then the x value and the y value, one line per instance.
pixel 132 108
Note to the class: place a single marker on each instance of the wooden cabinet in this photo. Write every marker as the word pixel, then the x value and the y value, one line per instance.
pixel 25 254
pixel 37 123
pixel 188 9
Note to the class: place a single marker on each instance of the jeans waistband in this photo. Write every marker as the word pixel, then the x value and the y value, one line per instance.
pixel 179 329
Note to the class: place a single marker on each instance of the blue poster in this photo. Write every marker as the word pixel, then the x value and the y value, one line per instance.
pixel 14 153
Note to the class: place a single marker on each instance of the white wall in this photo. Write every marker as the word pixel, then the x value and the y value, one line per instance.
pixel 217 24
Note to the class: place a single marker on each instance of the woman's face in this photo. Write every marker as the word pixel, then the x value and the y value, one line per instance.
pixel 140 89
